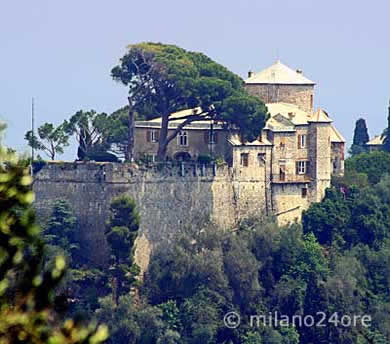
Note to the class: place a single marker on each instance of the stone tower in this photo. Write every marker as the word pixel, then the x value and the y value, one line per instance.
pixel 280 84
pixel 319 133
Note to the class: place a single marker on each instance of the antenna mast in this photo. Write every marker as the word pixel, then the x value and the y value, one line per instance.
pixel 33 135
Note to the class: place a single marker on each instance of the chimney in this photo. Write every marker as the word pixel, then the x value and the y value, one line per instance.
pixel 299 71
pixel 250 74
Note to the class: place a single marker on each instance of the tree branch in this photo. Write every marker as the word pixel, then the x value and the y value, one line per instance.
pixel 188 120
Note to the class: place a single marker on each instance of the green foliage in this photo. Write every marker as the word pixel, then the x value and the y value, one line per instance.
pixel 166 79
pixel 351 178
pixel 205 159
pixel 60 229
pixel 3 127
pixel 50 140
pixel 374 165
pixel 328 219
pixel 93 131
pixel 211 272
pixel 386 142
pixel 27 313
pixel 251 338
pixel 355 227
pixel 360 138
pixel 121 233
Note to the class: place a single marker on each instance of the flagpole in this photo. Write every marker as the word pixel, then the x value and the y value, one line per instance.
pixel 33 135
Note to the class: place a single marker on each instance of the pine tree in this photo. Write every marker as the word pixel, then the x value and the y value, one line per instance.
pixel 61 227
pixel 121 233
pixel 360 137
pixel 386 142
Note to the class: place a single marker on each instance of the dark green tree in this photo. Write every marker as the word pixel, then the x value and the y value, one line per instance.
pixel 121 233
pixel 27 313
pixel 329 219
pixel 3 127
pixel 360 138
pixel 92 131
pixel 386 142
pixel 50 140
pixel 165 79
pixel 61 227
pixel 373 164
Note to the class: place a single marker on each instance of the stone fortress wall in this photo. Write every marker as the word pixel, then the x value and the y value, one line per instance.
pixel 168 198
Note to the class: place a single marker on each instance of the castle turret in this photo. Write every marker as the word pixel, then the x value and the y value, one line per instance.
pixel 281 84
pixel 320 153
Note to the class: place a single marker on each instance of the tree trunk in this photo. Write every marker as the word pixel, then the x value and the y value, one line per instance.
pixel 129 155
pixel 162 142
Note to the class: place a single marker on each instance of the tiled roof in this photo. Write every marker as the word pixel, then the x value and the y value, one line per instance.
pixel 377 140
pixel 176 119
pixel 320 116
pixel 279 73
pixel 335 135
pixel 289 111
pixel 235 141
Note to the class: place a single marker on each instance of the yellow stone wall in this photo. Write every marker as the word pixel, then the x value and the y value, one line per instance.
pixel 196 144
pixel 300 95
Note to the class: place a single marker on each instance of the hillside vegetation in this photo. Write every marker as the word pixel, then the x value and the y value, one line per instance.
pixel 335 264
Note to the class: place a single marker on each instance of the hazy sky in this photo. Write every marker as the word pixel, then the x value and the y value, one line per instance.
pixel 61 52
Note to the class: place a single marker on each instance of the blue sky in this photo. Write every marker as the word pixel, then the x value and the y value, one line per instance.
pixel 61 52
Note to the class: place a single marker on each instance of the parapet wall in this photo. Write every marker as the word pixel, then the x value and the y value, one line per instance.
pixel 169 198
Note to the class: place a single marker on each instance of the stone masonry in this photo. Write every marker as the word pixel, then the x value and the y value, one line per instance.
pixel 169 198
pixel 301 95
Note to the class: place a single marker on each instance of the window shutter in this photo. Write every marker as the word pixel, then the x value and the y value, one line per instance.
pixel 157 133
pixel 307 167
pixel 206 136
pixel 148 136
pixel 215 137
pixel 299 141
pixel 296 167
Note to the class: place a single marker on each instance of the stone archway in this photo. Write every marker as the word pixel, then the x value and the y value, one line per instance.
pixel 182 156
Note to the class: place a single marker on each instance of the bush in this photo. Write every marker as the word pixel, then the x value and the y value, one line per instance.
pixel 37 165
pixel 205 159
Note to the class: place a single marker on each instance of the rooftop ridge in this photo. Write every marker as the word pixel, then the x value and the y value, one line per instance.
pixel 279 73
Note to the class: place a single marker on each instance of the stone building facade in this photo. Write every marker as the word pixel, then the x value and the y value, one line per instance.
pixel 197 139
pixel 281 173
pixel 280 84
pixel 296 154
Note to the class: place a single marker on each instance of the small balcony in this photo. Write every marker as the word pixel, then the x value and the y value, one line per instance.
pixel 290 178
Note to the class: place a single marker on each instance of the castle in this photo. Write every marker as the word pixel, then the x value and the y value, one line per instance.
pixel 281 173
pixel 295 155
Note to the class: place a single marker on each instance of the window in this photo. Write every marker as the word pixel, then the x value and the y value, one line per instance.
pixel 210 137
pixel 335 165
pixel 182 138
pixel 282 171
pixel 301 141
pixel 152 135
pixel 304 192
pixel 282 142
pixel 261 159
pixel 244 161
pixel 151 157
pixel 311 101
pixel 301 167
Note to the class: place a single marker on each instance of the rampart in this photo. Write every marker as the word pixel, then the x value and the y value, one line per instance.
pixel 169 198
